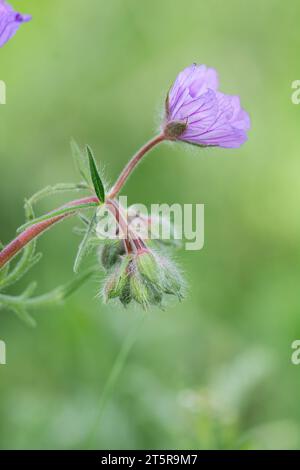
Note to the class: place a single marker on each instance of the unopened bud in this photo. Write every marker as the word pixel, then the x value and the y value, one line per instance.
pixel 139 290
pixel 173 282
pixel 148 267
pixel 154 294
pixel 111 253
pixel 125 295
pixel 117 280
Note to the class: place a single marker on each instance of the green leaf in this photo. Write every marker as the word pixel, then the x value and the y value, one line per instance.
pixel 84 245
pixel 80 161
pixel 56 213
pixel 27 261
pixel 22 303
pixel 57 188
pixel 97 182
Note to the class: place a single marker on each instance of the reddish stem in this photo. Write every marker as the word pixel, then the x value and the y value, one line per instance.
pixel 133 163
pixel 35 230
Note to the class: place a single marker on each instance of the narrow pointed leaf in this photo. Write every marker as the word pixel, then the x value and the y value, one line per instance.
pixel 56 213
pixel 96 179
pixel 57 188
pixel 84 245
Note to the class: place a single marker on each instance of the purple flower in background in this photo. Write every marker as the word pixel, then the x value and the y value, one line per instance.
pixel 197 113
pixel 10 21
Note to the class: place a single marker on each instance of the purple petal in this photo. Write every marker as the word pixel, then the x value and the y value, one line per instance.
pixel 221 137
pixel 8 28
pixel 203 115
pixel 226 130
pixel 192 82
pixel 5 7
pixel 10 22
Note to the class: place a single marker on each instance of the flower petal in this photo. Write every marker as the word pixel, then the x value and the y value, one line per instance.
pixel 8 27
pixel 192 82
pixel 209 117
pixel 10 22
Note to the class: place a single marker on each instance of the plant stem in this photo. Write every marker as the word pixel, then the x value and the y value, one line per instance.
pixel 35 230
pixel 32 232
pixel 133 163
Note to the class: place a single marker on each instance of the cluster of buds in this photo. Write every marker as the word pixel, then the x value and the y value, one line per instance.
pixel 143 276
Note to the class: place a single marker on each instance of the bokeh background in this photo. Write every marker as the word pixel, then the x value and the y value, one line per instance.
pixel 214 372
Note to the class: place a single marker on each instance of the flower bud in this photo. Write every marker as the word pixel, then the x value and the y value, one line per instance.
pixel 173 282
pixel 111 253
pixel 148 267
pixel 154 294
pixel 116 284
pixel 139 290
pixel 110 288
pixel 125 295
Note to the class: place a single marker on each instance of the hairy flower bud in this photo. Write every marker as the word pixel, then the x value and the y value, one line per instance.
pixel 144 277
pixel 117 282
pixel 155 295
pixel 125 294
pixel 148 267
pixel 111 253
pixel 139 290
pixel 173 282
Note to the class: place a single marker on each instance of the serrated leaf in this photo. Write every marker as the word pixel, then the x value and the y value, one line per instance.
pixel 80 161
pixel 96 179
pixel 84 245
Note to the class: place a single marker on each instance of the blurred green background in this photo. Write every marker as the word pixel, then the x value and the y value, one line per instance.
pixel 212 372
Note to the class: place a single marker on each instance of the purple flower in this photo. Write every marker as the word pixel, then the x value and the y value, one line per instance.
pixel 197 113
pixel 10 22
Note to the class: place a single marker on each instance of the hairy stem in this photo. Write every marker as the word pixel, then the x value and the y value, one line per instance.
pixel 32 232
pixel 133 163
pixel 13 248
